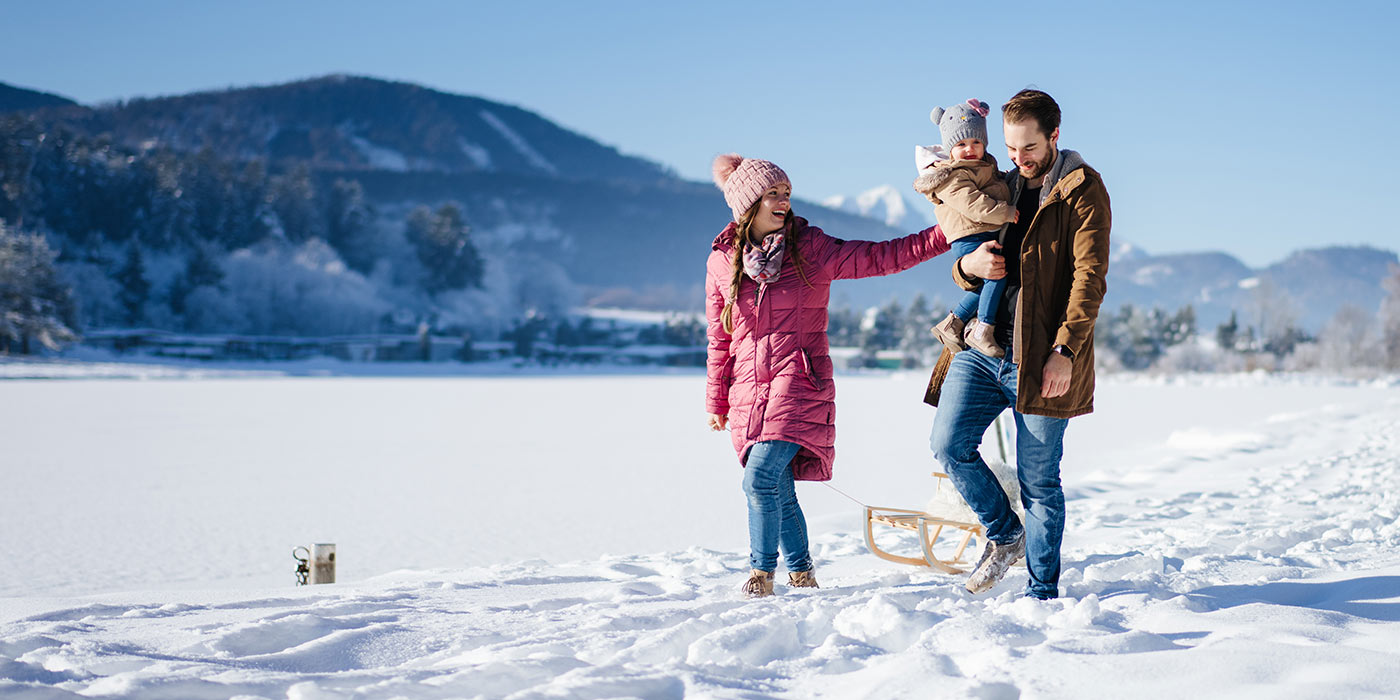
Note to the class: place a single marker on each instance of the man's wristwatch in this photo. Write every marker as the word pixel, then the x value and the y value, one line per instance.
pixel 1062 350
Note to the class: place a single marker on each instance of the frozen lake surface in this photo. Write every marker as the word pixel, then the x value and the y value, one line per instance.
pixel 560 535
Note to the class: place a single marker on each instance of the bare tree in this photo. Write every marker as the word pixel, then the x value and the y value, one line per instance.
pixel 1276 319
pixel 1348 341
pixel 1389 321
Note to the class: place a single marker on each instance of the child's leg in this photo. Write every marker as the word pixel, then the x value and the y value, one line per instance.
pixel 971 301
pixel 990 300
pixel 967 306
pixel 765 471
pixel 792 539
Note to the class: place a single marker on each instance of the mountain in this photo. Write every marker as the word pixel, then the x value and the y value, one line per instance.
pixel 350 123
pixel 14 99
pixel 883 203
pixel 624 228
pixel 1314 282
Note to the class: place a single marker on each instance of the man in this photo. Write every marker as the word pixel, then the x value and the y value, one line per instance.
pixel 1056 257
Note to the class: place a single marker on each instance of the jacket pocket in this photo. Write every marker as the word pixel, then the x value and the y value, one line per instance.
pixel 808 369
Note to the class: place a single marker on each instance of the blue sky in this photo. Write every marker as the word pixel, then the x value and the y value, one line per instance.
pixel 1247 127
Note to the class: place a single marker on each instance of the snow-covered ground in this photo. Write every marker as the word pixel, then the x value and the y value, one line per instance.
pixel 558 536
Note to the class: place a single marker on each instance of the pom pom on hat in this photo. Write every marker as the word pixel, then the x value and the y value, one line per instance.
pixel 725 166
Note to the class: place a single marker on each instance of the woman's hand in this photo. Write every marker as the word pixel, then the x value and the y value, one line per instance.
pixel 717 422
pixel 985 262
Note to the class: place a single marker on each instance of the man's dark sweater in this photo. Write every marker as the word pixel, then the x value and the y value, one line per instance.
pixel 1027 205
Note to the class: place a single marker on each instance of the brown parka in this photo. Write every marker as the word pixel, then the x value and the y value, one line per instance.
pixel 1064 262
pixel 969 196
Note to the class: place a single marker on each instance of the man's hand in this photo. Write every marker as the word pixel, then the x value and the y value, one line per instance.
pixel 717 422
pixel 1055 381
pixel 985 262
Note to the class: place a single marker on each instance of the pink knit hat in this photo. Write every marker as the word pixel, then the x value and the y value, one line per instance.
pixel 744 180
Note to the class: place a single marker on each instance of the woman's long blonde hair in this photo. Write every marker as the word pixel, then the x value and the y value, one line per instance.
pixel 743 239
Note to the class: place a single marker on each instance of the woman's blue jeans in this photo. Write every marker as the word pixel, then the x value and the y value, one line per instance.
pixel 775 520
pixel 985 302
pixel 976 390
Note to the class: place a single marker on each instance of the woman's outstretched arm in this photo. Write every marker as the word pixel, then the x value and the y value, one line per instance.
pixel 856 259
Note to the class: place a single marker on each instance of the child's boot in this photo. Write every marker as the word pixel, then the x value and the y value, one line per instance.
pixel 950 331
pixel 982 337
pixel 803 579
pixel 759 585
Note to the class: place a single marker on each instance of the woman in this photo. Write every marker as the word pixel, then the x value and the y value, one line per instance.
pixel 767 286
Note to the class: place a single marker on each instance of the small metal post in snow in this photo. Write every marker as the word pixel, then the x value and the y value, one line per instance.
pixel 322 563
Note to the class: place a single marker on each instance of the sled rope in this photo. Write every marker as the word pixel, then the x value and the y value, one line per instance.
pixel 843 493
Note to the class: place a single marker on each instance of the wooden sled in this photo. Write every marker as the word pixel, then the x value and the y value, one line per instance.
pixel 949 516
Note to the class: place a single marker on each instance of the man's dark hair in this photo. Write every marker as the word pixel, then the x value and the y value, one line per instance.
pixel 1032 104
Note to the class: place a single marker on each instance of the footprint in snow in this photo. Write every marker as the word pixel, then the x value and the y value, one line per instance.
pixel 634 570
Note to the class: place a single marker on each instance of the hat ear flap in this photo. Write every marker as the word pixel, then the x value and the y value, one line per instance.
pixel 936 115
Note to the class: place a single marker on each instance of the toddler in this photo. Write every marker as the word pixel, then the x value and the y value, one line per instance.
pixel 972 203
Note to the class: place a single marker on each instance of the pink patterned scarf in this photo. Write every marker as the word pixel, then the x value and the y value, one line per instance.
pixel 762 262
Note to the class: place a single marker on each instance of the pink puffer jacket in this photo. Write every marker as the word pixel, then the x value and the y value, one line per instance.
pixel 772 376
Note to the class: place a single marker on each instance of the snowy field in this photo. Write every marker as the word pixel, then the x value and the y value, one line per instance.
pixel 567 536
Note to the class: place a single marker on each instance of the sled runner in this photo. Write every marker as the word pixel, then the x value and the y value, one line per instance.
pixel 947 514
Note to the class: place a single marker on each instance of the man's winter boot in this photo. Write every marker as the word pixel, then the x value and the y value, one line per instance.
pixel 950 331
pixel 982 337
pixel 996 559
pixel 802 579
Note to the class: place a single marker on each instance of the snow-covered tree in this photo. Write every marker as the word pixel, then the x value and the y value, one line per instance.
pixel 293 200
pixel 278 289
pixel 1133 335
pixel 1140 338
pixel 914 337
pixel 35 306
pixel 95 293
pixel 19 141
pixel 136 288
pixel 202 270
pixel 1179 327
pixel 348 218
pixel 449 259
pixel 843 327
pixel 1348 341
pixel 880 327
pixel 1227 334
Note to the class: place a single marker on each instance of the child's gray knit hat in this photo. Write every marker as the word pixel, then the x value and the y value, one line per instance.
pixel 967 120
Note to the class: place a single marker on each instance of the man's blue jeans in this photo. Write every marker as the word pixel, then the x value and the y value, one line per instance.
pixel 976 390
pixel 775 519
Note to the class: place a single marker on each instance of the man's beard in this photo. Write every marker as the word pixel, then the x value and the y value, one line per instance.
pixel 1040 168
